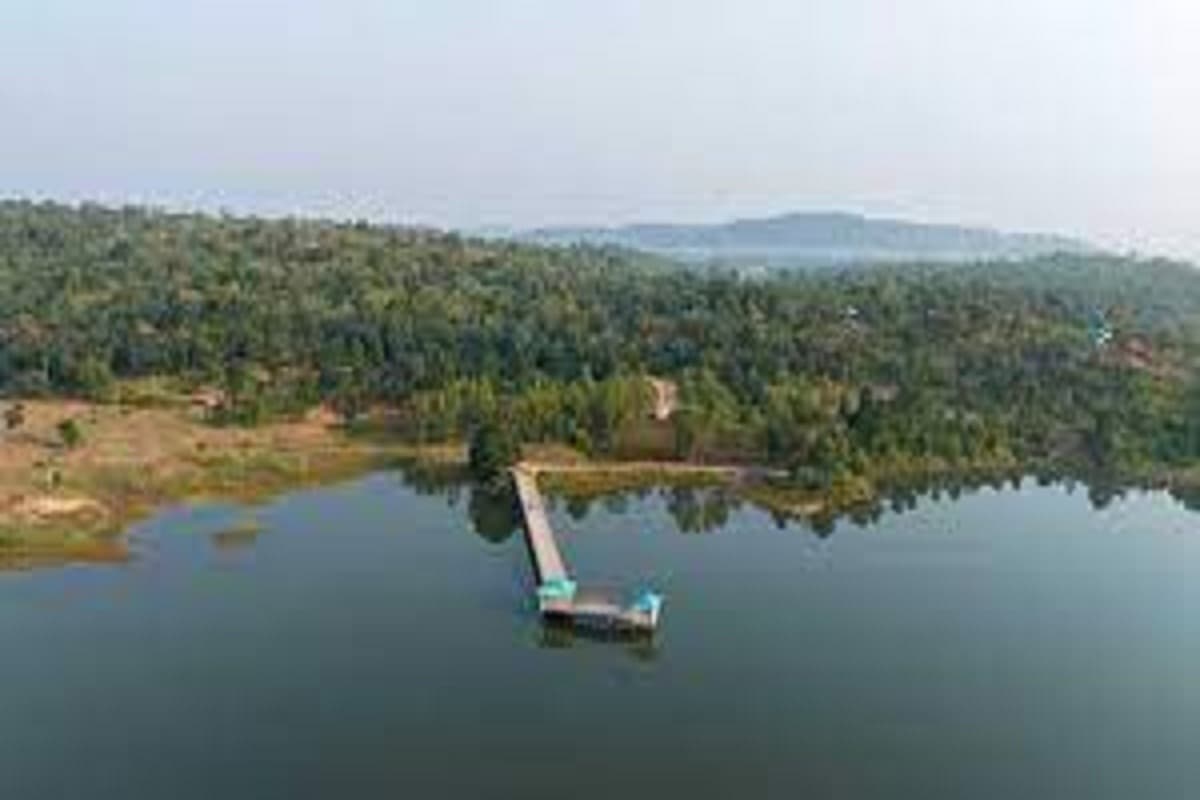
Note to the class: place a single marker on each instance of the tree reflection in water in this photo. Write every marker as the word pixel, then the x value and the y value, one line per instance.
pixel 495 517
pixel 701 511
pixel 493 511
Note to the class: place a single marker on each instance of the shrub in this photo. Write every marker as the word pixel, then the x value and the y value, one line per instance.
pixel 70 433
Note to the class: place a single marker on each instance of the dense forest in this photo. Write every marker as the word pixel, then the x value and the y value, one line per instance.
pixel 1074 362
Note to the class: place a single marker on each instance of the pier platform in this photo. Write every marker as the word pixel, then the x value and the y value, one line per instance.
pixel 560 598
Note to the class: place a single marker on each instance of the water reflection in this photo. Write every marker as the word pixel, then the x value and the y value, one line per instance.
pixel 18 555
pixel 493 512
pixel 695 510
pixel 704 511
pixel 243 535
pixel 564 636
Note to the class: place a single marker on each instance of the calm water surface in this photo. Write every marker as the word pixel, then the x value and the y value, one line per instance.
pixel 376 642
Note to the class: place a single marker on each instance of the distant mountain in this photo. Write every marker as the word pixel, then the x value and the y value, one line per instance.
pixel 814 239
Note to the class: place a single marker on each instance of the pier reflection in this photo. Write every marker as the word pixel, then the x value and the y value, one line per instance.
pixel 640 646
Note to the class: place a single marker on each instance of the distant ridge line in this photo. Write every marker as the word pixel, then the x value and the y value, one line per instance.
pixel 814 237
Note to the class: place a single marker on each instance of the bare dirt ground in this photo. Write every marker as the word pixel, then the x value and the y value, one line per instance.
pixel 666 398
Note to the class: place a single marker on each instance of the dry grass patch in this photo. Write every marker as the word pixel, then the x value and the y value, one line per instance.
pixel 133 460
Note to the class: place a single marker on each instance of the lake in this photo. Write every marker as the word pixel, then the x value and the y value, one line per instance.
pixel 377 639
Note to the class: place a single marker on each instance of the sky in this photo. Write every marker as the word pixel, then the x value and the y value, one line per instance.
pixel 1072 116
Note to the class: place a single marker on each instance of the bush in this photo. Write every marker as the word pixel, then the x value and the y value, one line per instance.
pixel 70 433
pixel 14 416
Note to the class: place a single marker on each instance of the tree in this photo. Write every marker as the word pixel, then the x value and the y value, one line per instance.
pixel 70 433
pixel 493 449
pixel 93 378
pixel 349 398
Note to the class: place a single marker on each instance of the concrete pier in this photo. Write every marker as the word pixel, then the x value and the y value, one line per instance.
pixel 559 597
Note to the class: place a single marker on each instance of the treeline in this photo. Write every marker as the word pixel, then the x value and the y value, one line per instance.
pixel 1083 361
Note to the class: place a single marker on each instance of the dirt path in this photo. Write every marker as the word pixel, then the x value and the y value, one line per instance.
pixel 734 472
pixel 666 398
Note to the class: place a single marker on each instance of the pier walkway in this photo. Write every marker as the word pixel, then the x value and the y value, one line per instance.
pixel 559 597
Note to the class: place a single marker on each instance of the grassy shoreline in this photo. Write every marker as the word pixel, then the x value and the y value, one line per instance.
pixel 62 504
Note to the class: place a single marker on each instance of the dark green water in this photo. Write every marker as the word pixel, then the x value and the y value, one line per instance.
pixel 372 643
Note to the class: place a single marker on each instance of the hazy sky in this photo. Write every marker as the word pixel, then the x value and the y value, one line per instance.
pixel 1080 116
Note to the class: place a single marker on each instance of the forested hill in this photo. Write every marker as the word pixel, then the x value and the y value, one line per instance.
pixel 815 239
pixel 1088 362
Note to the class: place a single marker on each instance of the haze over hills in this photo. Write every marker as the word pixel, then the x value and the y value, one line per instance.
pixel 814 239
